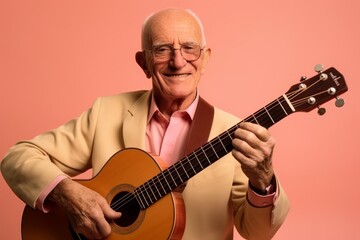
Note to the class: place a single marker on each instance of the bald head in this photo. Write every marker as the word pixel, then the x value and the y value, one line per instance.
pixel 171 19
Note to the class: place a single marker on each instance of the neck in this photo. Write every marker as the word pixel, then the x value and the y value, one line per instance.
pixel 168 106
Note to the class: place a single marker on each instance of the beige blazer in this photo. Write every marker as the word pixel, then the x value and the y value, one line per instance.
pixel 215 199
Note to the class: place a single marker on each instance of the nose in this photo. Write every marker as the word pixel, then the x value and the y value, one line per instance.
pixel 177 60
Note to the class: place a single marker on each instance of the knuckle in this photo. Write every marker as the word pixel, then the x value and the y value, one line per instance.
pixel 263 132
pixel 236 142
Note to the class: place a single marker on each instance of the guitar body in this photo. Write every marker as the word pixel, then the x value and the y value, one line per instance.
pixel 125 171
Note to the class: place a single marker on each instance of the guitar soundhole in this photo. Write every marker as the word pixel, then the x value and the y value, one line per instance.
pixel 126 203
pixel 122 199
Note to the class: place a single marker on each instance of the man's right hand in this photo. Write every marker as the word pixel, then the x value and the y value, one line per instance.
pixel 87 210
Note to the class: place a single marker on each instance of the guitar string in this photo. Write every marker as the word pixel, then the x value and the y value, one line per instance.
pixel 130 196
pixel 300 101
pixel 148 185
pixel 303 100
pixel 169 172
pixel 151 185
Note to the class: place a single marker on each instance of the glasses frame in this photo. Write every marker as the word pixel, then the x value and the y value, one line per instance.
pixel 173 52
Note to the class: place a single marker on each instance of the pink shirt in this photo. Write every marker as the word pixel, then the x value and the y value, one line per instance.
pixel 167 139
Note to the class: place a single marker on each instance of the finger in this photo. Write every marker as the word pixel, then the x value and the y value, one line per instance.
pixel 244 153
pixel 248 149
pixel 241 144
pixel 103 228
pixel 87 228
pixel 260 132
pixel 257 137
pixel 246 140
pixel 244 160
pixel 109 213
pixel 102 225
pixel 99 227
pixel 93 224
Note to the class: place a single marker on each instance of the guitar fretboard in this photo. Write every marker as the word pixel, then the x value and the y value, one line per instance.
pixel 171 178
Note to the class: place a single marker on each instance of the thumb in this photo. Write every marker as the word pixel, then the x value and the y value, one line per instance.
pixel 109 213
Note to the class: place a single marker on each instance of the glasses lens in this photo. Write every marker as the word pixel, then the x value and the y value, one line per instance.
pixel 190 52
pixel 163 52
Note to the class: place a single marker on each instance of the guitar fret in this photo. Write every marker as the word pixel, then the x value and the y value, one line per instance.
pixel 192 167
pixel 205 155
pixel 172 178
pixel 178 173
pixel 153 182
pixel 184 169
pixel 199 161
pixel 147 193
pixel 142 193
pixel 269 115
pixel 139 200
pixel 255 119
pixel 141 196
pixel 229 135
pixel 214 151
pixel 282 107
pixel 161 184
pixel 162 173
pixel 222 144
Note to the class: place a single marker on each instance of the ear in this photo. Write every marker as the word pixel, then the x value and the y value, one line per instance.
pixel 141 61
pixel 206 57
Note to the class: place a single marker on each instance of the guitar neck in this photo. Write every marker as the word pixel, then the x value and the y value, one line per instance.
pixel 192 164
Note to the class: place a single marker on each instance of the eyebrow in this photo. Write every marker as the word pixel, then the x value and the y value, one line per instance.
pixel 170 44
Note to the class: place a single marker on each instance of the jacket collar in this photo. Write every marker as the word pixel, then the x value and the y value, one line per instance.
pixel 134 126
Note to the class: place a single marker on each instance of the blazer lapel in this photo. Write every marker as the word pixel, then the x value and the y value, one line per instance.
pixel 134 126
pixel 200 126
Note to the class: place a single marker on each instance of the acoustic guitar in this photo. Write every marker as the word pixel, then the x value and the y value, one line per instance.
pixel 144 192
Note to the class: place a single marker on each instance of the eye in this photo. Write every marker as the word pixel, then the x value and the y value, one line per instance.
pixel 190 48
pixel 162 49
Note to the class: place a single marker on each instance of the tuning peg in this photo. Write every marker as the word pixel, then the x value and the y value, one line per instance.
pixel 321 111
pixel 318 68
pixel 339 102
pixel 303 78
pixel 323 76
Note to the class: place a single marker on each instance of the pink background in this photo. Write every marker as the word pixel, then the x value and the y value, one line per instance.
pixel 56 57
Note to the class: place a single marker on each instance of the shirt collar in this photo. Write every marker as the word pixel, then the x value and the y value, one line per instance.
pixel 190 110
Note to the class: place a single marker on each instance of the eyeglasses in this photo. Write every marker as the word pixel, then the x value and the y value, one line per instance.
pixel 190 52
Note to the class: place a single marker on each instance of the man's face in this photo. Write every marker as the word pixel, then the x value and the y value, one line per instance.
pixel 175 78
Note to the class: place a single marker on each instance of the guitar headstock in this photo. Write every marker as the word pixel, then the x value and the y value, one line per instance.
pixel 311 93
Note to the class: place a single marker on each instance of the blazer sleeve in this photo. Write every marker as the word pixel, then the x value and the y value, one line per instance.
pixel 257 222
pixel 31 165
pixel 251 222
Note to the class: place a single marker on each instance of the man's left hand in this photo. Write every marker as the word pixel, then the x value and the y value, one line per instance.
pixel 253 148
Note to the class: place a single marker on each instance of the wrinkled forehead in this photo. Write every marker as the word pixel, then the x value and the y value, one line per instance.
pixel 172 27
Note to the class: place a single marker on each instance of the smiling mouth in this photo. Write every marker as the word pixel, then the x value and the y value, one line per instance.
pixel 177 75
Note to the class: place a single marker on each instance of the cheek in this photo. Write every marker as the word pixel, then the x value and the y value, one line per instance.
pixel 204 62
pixel 200 70
pixel 156 68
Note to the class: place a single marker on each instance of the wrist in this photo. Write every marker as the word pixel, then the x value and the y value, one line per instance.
pixel 267 189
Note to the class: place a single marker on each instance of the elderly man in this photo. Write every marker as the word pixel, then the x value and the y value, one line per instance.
pixel 239 189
